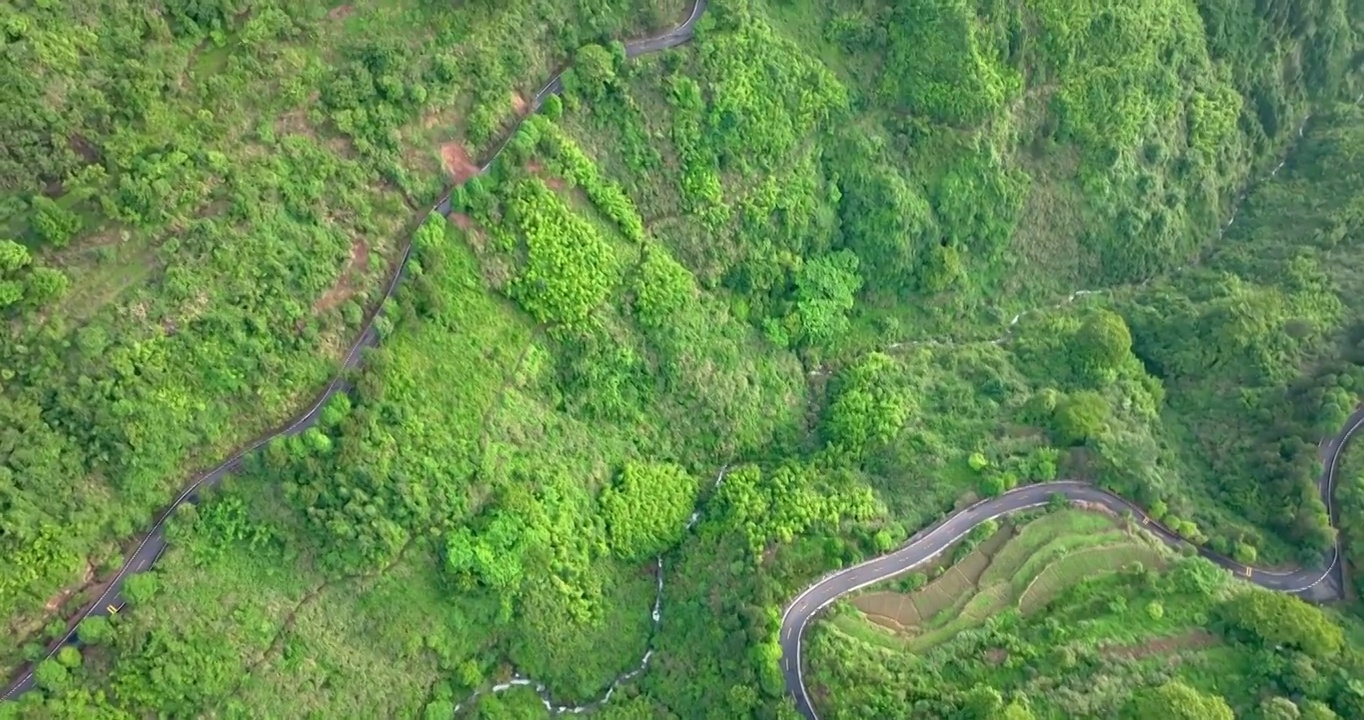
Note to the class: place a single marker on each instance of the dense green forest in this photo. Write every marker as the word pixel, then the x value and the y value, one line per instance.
pixel 824 249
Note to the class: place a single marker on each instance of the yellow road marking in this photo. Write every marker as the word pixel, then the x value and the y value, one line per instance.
pixel 111 609
pixel 1248 572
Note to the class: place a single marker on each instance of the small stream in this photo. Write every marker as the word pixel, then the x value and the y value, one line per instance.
pixel 520 681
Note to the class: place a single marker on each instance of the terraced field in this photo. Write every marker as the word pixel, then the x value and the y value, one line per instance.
pixel 1017 568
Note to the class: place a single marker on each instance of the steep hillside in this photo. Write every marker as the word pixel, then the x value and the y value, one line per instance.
pixel 1155 638
pixel 199 200
pixel 795 253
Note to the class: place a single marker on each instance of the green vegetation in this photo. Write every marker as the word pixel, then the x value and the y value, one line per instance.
pixel 1025 570
pixel 647 511
pixel 792 248
pixel 198 201
pixel 1128 641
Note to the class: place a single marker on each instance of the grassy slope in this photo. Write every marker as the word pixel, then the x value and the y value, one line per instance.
pixel 232 227
pixel 475 392
pixel 1047 556
pixel 1101 636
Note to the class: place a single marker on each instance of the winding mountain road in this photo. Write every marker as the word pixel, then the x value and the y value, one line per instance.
pixel 1317 585
pixel 153 544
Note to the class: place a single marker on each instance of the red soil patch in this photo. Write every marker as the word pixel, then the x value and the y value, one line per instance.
pixel 340 12
pixel 1094 507
pixel 456 161
pixel 61 597
pixel 82 147
pixel 1163 646
pixel 472 232
pixel 552 182
pixel 30 626
pixel 294 122
pixel 520 104
pixel 345 285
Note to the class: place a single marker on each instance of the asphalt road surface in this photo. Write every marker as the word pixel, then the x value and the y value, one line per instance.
pixel 151 546
pixel 1319 585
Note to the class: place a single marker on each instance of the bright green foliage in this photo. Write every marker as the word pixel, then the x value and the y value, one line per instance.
pixel 944 63
pixel 825 291
pixel 494 556
pixel 51 675
pixel 569 160
pixel 570 268
pixel 764 94
pixel 1176 701
pixel 1114 66
pixel 646 508
pixel 868 405
pixel 700 181
pixel 977 201
pixel 1245 553
pixel 593 73
pixel 10 293
pixel 93 630
pixel 46 284
pixel 141 588
pixel 534 550
pixel 1281 619
pixel 553 107
pixel 1197 577
pixel 1081 417
pixel 337 409
pixel 20 279
pixel 69 657
pixel 662 287
pixel 1102 344
pixel 982 702
pixel 54 224
pixel 846 177
pixel 890 225
pixel 1212 116
pixel 13 256
pixel 1279 708
pixel 231 182
pixel 782 504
